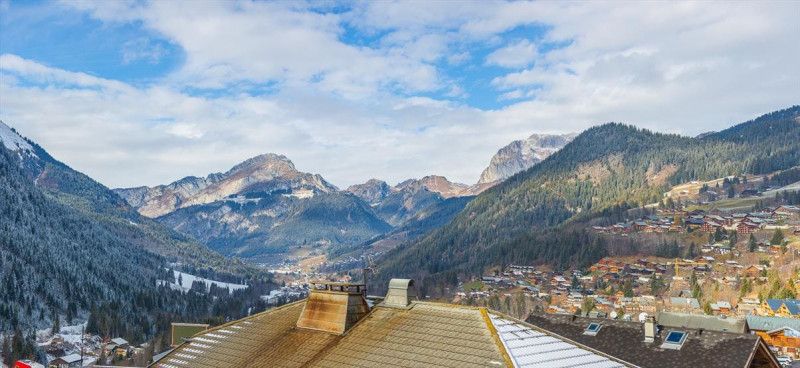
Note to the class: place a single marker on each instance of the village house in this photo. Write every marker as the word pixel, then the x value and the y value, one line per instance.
pixel 752 271
pixel 779 307
pixel 778 332
pixel 68 361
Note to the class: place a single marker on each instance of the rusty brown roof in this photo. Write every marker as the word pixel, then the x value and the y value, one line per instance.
pixel 422 335
pixel 425 335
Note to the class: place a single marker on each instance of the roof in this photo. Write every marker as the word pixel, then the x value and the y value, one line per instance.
pixel 119 341
pixel 793 305
pixel 765 323
pixel 72 358
pixel 698 321
pixel 624 340
pixel 425 334
pixel 529 347
pixel 686 302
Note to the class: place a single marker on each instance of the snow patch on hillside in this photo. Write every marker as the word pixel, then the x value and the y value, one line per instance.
pixel 13 141
pixel 186 281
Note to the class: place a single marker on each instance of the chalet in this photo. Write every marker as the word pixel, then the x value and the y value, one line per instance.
pixel 640 225
pixel 721 307
pixel 778 332
pixel 753 271
pixel 780 307
pixel 745 228
pixel 710 226
pixel 68 361
pixel 786 211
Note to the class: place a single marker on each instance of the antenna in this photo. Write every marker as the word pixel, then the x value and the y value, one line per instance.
pixel 369 265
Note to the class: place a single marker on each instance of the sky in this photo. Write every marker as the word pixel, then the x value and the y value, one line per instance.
pixel 144 93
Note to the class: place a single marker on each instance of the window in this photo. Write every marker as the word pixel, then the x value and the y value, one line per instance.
pixel 674 340
pixel 592 329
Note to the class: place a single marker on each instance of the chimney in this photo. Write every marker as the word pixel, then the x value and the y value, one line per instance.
pixel 649 329
pixel 401 293
pixel 333 307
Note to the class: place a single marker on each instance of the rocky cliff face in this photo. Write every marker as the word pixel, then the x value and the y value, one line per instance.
pixel 372 192
pixel 258 176
pixel 521 155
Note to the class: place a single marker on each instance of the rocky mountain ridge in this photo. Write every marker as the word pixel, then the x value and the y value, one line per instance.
pixel 521 155
pixel 262 174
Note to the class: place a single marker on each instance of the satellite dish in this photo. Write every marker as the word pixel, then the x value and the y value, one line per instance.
pixel 642 317
pixel 613 315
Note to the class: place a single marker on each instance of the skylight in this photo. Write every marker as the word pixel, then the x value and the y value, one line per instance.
pixel 592 329
pixel 674 340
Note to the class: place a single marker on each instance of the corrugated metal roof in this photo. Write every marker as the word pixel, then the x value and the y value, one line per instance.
pixel 528 347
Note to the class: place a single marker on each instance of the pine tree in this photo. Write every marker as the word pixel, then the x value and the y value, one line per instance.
pixel 91 322
pixel 777 238
pixel 56 323
pixel 753 243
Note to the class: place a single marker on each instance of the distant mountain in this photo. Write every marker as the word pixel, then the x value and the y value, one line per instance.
pixel 401 203
pixel 70 246
pixel 521 155
pixel 260 209
pixel 604 171
pixel 372 192
pixel 260 175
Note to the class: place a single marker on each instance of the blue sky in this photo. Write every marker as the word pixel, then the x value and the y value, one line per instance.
pixel 391 90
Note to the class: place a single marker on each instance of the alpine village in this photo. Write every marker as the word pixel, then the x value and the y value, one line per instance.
pixel 610 246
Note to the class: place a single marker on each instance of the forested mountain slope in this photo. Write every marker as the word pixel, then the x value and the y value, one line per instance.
pixel 69 246
pixel 604 170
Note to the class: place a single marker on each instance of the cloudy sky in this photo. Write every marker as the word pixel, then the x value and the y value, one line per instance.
pixel 143 93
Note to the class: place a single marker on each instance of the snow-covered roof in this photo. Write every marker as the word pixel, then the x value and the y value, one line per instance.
pixel 531 348
pixel 119 341
pixel 72 358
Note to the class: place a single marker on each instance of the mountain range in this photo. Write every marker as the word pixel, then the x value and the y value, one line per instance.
pixel 264 209
pixel 539 216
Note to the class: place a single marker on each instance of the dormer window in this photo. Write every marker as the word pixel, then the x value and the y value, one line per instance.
pixel 592 329
pixel 674 340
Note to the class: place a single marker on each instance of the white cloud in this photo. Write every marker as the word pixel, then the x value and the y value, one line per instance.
pixel 517 55
pixel 353 111
pixel 143 49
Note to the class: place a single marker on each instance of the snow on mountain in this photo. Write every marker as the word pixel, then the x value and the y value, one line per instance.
pixel 13 141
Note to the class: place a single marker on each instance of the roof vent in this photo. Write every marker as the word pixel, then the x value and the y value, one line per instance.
pixel 333 307
pixel 401 293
